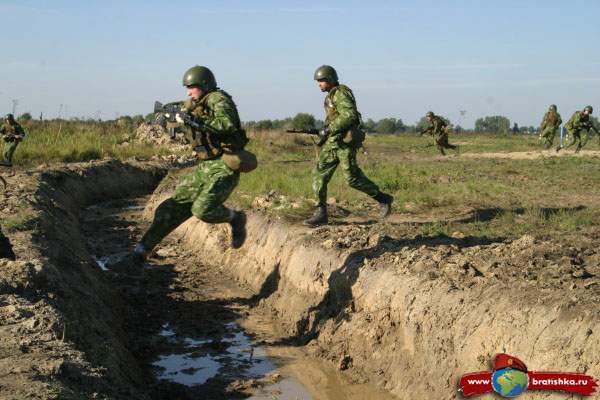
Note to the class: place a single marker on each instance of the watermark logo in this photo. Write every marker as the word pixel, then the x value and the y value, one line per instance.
pixel 510 378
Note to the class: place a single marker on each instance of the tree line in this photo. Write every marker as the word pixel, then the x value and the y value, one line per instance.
pixel 496 124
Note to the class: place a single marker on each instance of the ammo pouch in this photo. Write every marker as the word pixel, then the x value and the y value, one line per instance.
pixel 240 161
pixel 204 153
pixel 10 139
pixel 354 137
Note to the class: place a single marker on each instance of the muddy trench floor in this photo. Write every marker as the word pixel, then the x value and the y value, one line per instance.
pixel 182 306
pixel 178 295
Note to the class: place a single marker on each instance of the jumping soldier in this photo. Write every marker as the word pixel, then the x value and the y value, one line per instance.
pixel 550 125
pixel 342 137
pixel 203 192
pixel 13 134
pixel 438 128
pixel 579 124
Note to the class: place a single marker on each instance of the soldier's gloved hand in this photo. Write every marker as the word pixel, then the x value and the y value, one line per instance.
pixel 180 118
pixel 323 135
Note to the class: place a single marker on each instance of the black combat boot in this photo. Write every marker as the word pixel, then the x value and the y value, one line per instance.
pixel 558 149
pixel 578 148
pixel 385 204
pixel 5 163
pixel 238 229
pixel 318 218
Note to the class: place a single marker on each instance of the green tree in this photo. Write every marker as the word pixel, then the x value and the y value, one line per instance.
pixel 389 125
pixel 493 124
pixel 369 125
pixel 263 125
pixel 303 121
pixel 385 125
pixel 25 117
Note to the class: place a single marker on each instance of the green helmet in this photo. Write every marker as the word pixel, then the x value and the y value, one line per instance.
pixel 201 77
pixel 429 114
pixel 552 107
pixel 327 73
pixel 589 108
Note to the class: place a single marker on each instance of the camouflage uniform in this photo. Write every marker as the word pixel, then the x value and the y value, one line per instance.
pixel 579 126
pixel 438 128
pixel 13 134
pixel 342 116
pixel 203 192
pixel 549 127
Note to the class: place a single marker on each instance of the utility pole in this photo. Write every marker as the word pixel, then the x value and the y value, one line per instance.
pixel 15 103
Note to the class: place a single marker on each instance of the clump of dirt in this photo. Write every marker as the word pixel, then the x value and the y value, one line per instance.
pixel 157 134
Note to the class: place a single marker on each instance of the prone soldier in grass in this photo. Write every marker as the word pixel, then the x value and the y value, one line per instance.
pixel 341 137
pixel 438 128
pixel 578 127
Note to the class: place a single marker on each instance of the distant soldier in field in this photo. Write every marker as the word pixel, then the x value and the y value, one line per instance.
pixel 579 126
pixel 438 128
pixel 203 192
pixel 549 126
pixel 13 135
pixel 341 137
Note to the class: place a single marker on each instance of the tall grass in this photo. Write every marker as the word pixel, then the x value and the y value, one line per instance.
pixel 402 165
pixel 73 141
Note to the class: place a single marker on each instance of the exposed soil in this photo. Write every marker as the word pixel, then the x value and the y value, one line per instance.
pixel 342 304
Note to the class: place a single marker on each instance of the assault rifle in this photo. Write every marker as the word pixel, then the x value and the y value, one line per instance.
pixel 173 113
pixel 322 134
pixel 588 125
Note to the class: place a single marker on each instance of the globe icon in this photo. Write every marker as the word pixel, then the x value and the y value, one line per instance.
pixel 508 382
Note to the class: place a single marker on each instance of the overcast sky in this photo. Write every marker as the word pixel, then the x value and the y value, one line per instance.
pixel 401 58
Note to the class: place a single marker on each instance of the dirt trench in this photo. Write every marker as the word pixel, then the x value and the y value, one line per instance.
pixel 61 332
pixel 409 315
pixel 70 329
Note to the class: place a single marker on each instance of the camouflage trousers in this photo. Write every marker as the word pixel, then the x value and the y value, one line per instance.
pixel 548 135
pixel 332 155
pixel 201 194
pixel 578 135
pixel 441 142
pixel 9 150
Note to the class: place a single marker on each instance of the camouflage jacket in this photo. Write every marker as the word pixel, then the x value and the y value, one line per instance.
pixel 220 119
pixel 551 119
pixel 14 130
pixel 437 126
pixel 341 112
pixel 579 121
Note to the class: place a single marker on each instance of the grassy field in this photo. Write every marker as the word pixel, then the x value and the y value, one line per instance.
pixel 73 141
pixel 505 197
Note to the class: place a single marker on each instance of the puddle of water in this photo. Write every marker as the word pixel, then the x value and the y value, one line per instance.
pixel 186 369
pixel 101 262
pixel 286 389
pixel 300 378
pixel 194 366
